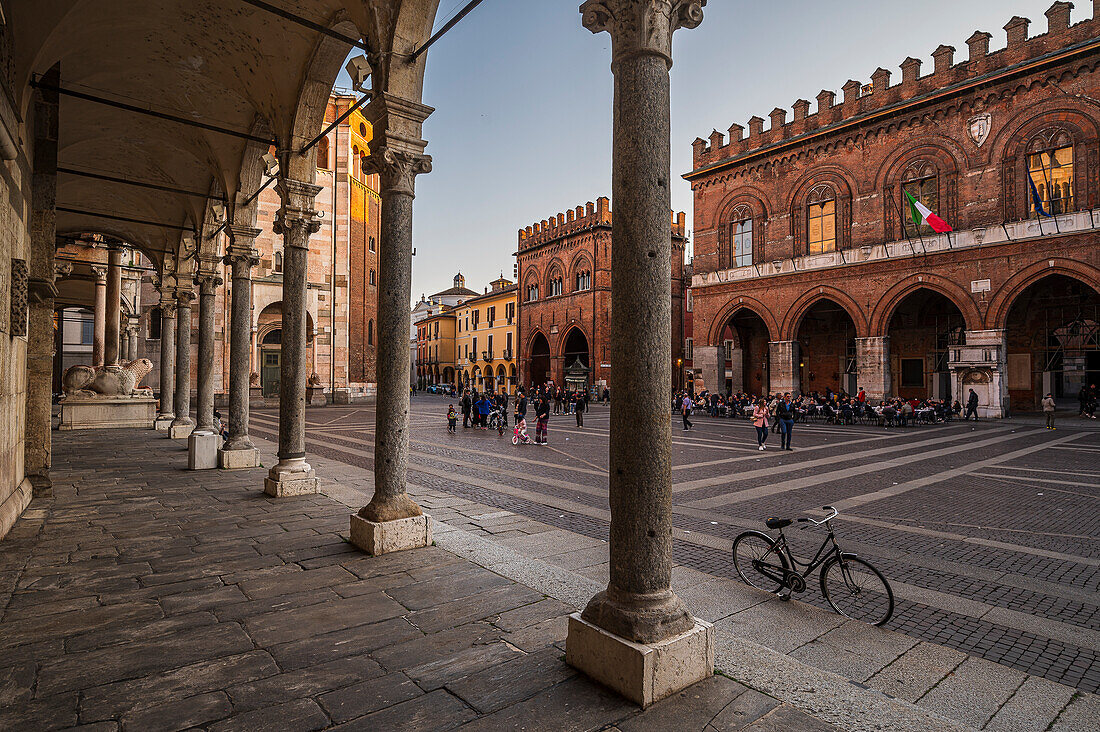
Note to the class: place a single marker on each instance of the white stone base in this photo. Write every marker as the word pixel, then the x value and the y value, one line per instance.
pixel 644 674
pixel 94 413
pixel 179 431
pixel 202 450
pixel 163 424
pixel 391 536
pixel 286 483
pixel 238 459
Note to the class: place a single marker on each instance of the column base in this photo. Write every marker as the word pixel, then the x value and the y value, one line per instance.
pixel 202 450
pixel 376 539
pixel 179 431
pixel 163 424
pixel 641 673
pixel 238 459
pixel 293 479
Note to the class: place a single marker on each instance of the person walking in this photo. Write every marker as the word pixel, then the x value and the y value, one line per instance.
pixel 542 421
pixel 484 406
pixel 760 422
pixel 971 406
pixel 685 411
pixel 521 406
pixel 1085 398
pixel 580 409
pixel 784 413
pixel 452 419
pixel 466 403
pixel 1048 410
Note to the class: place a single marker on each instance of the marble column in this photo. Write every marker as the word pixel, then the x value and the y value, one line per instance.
pixel 167 413
pixel 639 608
pixel 99 315
pixel 182 425
pixel 112 326
pixel 204 441
pixel 132 340
pixel 873 366
pixel 238 450
pixel 296 221
pixel 392 521
pixel 784 373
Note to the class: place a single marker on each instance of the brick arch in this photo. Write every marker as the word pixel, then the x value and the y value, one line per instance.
pixel 533 277
pixel 843 184
pixel 754 197
pixel 742 302
pixel 947 158
pixel 997 314
pixel 580 260
pixel 558 350
pixel 555 269
pixel 888 303
pixel 949 153
pixel 758 208
pixel 531 342
pixel 793 319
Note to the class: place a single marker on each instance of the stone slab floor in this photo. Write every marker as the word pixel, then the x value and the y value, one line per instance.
pixel 136 595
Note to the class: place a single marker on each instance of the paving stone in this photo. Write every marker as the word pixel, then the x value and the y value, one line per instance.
pixel 744 710
pixel 179 713
pixel 16 683
pixel 55 712
pixel 278 603
pixel 1032 708
pixel 851 651
pixel 374 584
pixel 300 715
pixel 782 626
pixel 428 648
pixel 574 705
pixel 528 615
pixel 474 607
pixel 303 682
pixel 501 685
pixel 540 635
pixel 302 622
pixel 437 673
pixel 720 598
pixel 258 589
pixel 436 711
pixel 916 671
pixel 427 594
pixel 126 633
pixel 1081 714
pixel 973 692
pixel 342 643
pixel 786 718
pixel 692 708
pixel 201 599
pixel 369 696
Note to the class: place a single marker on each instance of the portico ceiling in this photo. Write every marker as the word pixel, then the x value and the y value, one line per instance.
pixel 224 63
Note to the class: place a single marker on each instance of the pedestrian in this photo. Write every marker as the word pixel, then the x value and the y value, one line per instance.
pixel 452 419
pixel 685 411
pixel 1087 398
pixel 1048 410
pixel 521 407
pixel 785 420
pixel 760 422
pixel 971 406
pixel 580 409
pixel 484 406
pixel 542 420
pixel 467 404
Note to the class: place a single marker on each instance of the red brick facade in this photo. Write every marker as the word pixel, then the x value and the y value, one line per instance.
pixel 564 266
pixel 1006 304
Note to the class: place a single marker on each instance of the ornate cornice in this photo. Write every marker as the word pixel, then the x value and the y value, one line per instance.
pixel 641 27
pixel 296 216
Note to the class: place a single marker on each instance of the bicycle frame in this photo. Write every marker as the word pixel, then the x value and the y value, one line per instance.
pixel 824 552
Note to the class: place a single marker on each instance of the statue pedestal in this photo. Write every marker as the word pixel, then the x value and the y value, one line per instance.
pixel 97 413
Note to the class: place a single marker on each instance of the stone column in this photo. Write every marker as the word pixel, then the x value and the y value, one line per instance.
pixel 167 360
pixel 392 521
pixel 99 315
pixel 132 340
pixel 736 372
pixel 710 360
pixel 638 611
pixel 182 425
pixel 112 326
pixel 203 443
pixel 784 374
pixel 238 450
pixel 873 366
pixel 296 221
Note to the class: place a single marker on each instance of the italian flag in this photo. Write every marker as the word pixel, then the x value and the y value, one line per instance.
pixel 924 215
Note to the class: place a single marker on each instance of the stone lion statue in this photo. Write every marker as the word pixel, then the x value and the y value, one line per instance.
pixel 85 381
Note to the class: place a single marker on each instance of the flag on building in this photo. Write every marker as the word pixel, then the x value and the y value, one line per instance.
pixel 924 215
pixel 1037 199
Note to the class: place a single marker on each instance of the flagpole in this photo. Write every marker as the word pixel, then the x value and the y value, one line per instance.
pixel 1035 201
pixel 901 218
pixel 1050 192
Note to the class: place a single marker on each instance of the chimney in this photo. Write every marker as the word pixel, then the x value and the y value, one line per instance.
pixel 825 100
pixel 1017 31
pixel 779 118
pixel 756 126
pixel 715 139
pixel 910 71
pixel 944 57
pixel 801 110
pixel 979 45
pixel 880 81
pixel 1058 17
pixel 851 92
pixel 737 133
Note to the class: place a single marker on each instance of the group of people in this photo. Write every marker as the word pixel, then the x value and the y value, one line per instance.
pixel 477 409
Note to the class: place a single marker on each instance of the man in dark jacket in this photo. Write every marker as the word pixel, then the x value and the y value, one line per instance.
pixel 784 415
pixel 542 420
pixel 466 404
pixel 521 406
pixel 971 406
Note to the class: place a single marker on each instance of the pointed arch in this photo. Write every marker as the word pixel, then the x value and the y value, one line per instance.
pixel 889 301
pixel 795 313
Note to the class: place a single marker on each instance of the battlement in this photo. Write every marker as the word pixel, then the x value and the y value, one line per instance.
pixel 579 219
pixel 860 98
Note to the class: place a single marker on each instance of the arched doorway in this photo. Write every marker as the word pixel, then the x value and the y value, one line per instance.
pixel 540 360
pixel 269 325
pixel 577 366
pixel 502 378
pixel 744 354
pixel 827 349
pixel 487 384
pixel 924 325
pixel 1052 336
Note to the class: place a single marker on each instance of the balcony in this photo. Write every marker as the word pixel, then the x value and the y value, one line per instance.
pixel 506 354
pixel 486 356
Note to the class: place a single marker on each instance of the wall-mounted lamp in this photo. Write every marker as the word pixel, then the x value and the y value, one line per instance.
pixel 271 164
pixel 359 70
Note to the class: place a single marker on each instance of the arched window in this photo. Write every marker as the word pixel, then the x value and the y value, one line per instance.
pixel 920 180
pixel 740 237
pixel 584 280
pixel 278 262
pixel 1050 165
pixel 322 154
pixel 370 332
pixel 821 220
pixel 372 277
pixel 555 286
pixel 363 166
pixel 532 292
pixel 370 244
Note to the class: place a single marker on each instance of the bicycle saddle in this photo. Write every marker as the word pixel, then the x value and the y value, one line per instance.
pixel 778 523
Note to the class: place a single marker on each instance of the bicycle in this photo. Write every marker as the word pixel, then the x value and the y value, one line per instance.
pixel 851 585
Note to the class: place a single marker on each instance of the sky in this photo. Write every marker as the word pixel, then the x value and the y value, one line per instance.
pixel 522 92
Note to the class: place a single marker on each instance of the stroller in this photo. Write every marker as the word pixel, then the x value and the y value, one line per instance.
pixel 498 420
pixel 519 434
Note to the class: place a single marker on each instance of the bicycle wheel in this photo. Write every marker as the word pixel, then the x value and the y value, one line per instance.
pixel 751 549
pixel 856 590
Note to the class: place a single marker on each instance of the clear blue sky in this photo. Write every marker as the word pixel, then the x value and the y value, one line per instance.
pixel 522 128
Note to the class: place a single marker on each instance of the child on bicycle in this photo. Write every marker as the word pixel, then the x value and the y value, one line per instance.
pixel 452 419
pixel 520 432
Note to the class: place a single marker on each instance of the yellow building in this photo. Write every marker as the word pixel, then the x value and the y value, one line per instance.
pixel 435 349
pixel 485 340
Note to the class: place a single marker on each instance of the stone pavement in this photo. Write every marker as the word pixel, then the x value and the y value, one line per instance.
pixel 137 595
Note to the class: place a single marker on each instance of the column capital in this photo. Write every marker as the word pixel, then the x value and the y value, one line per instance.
pixel 296 211
pixel 184 297
pixel 207 282
pixel 641 27
pixel 167 307
pixel 62 268
pixel 398 168
pixel 100 272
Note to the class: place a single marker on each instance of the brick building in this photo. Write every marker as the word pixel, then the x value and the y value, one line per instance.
pixel 564 266
pixel 809 272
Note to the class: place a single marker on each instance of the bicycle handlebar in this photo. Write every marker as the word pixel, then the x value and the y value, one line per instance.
pixel 825 520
